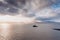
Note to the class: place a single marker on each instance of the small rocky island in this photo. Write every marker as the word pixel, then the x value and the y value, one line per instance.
pixel 35 26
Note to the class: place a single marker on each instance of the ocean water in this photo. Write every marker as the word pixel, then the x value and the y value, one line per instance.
pixel 18 31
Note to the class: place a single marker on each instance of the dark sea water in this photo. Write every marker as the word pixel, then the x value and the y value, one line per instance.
pixel 44 31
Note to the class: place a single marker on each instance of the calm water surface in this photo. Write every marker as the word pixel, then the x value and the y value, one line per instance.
pixel 44 31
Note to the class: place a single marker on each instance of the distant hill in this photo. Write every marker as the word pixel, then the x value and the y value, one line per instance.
pixel 49 22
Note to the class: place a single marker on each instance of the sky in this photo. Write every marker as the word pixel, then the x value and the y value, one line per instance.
pixel 30 10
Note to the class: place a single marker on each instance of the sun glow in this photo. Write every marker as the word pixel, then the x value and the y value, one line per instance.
pixel 8 18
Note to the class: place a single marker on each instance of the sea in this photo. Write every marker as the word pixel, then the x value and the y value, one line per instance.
pixel 22 31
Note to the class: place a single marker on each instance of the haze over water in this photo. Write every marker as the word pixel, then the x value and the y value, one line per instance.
pixel 17 31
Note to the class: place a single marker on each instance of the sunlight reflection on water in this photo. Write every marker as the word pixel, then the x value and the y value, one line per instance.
pixel 4 30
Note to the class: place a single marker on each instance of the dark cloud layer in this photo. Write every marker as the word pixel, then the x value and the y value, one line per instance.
pixel 15 2
pixel 12 5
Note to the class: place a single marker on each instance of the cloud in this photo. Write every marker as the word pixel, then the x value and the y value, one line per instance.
pixel 13 6
pixel 52 15
pixel 42 10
